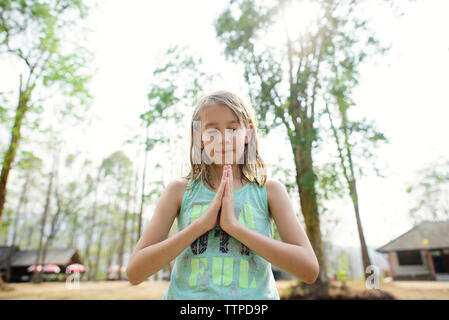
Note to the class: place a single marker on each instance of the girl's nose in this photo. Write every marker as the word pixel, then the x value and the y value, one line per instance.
pixel 227 138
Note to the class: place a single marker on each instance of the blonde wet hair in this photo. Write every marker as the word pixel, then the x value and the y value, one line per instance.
pixel 254 171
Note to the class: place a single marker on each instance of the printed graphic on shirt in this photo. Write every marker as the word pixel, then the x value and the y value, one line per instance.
pixel 198 267
pixel 199 246
pixel 244 275
pixel 222 271
pixel 224 240
pixel 246 217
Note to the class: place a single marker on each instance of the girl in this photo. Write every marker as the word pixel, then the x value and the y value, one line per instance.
pixel 225 246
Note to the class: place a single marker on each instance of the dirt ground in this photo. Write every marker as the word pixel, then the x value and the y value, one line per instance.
pixel 149 290
pixel 412 290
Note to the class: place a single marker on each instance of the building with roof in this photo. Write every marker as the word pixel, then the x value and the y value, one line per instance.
pixel 422 253
pixel 15 262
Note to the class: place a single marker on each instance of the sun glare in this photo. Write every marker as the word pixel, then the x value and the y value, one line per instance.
pixel 300 18
pixel 297 19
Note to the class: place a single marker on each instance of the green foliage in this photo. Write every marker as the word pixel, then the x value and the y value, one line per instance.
pixel 36 33
pixel 6 221
pixel 176 83
pixel 240 27
pixel 287 82
pixel 119 166
pixel 4 111
pixel 330 181
pixel 342 273
pixel 431 193
pixel 28 161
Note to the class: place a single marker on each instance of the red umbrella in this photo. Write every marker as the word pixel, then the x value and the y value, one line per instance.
pixel 33 268
pixel 51 268
pixel 115 268
pixel 75 267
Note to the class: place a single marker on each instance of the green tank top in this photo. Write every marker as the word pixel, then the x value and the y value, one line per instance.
pixel 217 266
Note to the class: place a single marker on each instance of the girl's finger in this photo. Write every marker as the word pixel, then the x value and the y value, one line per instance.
pixel 222 192
pixel 222 188
pixel 222 184
pixel 228 188
pixel 230 179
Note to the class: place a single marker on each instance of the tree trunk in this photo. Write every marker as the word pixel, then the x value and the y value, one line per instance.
pixel 16 223
pixel 87 261
pixel 353 192
pixel 349 175
pixel 365 255
pixel 37 278
pixel 132 231
pixel 10 154
pixel 30 237
pixel 8 264
pixel 139 231
pixel 19 207
pixel 8 159
pixel 73 233
pixel 93 272
pixel 306 179
pixel 111 253
pixel 133 215
pixel 123 235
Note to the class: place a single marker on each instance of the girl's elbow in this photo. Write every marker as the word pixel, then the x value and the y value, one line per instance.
pixel 312 275
pixel 315 273
pixel 131 277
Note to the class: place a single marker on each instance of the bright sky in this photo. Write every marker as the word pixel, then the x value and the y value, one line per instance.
pixel 405 92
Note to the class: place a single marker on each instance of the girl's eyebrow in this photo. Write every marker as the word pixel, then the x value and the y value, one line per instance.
pixel 214 123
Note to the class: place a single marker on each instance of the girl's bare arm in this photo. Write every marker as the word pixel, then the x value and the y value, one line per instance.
pixel 153 250
pixel 295 253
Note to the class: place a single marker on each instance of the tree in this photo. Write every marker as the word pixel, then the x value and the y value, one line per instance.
pixel 288 80
pixel 119 167
pixel 91 220
pixel 41 260
pixel 345 78
pixel 176 83
pixel 28 163
pixel 33 32
pixel 431 193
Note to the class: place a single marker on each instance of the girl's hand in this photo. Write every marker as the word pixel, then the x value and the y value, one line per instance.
pixel 227 216
pixel 211 217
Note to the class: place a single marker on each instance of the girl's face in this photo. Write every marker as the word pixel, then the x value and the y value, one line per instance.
pixel 223 138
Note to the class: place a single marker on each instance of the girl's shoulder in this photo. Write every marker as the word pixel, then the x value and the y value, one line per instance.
pixel 275 190
pixel 273 183
pixel 274 186
pixel 177 187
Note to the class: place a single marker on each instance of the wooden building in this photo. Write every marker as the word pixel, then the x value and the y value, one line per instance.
pixel 422 253
pixel 19 261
